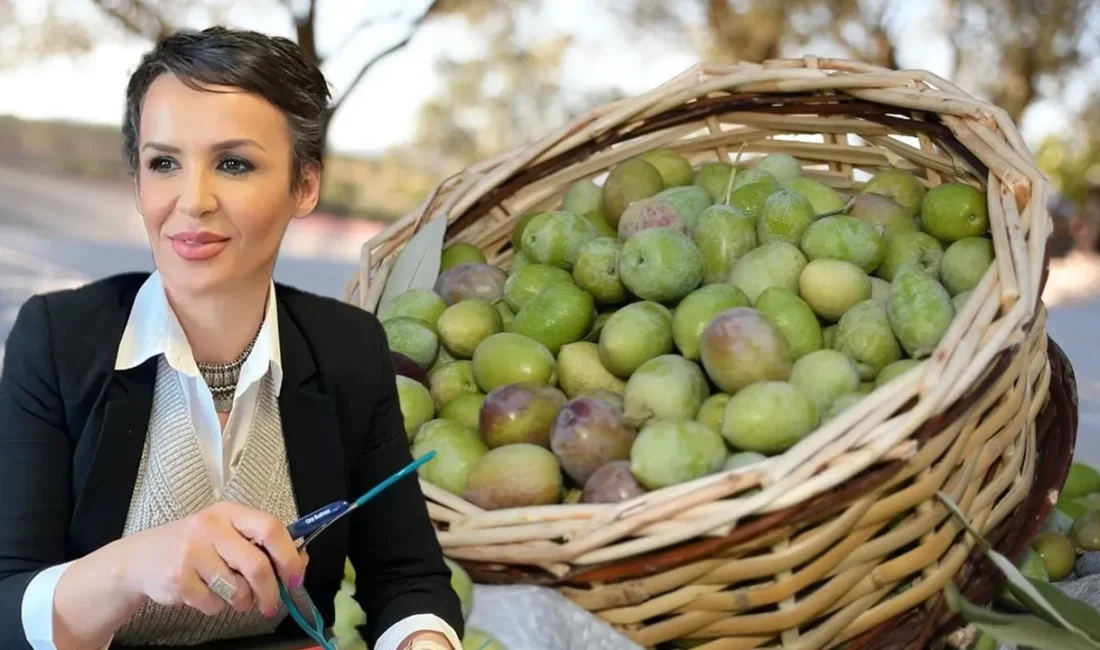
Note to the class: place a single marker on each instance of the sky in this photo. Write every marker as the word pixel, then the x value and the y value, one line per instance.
pixel 382 110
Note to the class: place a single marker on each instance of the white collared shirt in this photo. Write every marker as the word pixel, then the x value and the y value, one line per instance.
pixel 153 329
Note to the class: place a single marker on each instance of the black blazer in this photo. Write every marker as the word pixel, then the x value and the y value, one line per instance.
pixel 72 431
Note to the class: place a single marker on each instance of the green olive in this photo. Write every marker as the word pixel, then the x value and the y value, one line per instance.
pixel 1086 531
pixel 1057 552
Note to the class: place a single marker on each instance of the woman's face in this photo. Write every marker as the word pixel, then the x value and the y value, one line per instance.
pixel 214 185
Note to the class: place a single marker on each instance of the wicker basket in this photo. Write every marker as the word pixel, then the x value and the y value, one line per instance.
pixel 844 541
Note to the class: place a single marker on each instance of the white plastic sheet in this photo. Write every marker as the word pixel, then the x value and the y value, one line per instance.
pixel 539 618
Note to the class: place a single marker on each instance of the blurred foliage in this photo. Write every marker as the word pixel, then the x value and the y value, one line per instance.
pixel 1007 49
pixel 1068 166
pixel 1017 50
pixel 79 149
pixel 47 35
pixel 48 30
pixel 506 98
pixel 1072 161
pixel 761 29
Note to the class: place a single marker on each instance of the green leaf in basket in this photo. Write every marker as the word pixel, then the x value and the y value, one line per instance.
pixel 1021 586
pixel 1082 615
pixel 417 265
pixel 1020 629
pixel 949 503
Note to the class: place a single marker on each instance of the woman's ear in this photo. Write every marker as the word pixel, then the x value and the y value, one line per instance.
pixel 308 192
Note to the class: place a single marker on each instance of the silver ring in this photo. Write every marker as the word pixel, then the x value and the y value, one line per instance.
pixel 223 588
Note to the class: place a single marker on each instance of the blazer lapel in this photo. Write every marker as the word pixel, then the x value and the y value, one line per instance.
pixel 311 430
pixel 111 458
pixel 106 458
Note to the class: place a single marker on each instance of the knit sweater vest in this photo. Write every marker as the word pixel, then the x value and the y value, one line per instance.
pixel 173 482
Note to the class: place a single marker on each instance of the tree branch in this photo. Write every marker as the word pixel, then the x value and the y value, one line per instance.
pixel 136 17
pixel 954 31
pixel 878 18
pixel 353 32
pixel 413 27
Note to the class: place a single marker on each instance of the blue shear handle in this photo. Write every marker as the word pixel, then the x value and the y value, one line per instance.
pixel 395 477
pixel 316 519
pixel 322 517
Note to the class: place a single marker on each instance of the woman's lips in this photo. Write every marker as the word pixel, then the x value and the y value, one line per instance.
pixel 197 246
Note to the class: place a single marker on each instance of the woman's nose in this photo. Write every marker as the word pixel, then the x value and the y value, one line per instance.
pixel 197 197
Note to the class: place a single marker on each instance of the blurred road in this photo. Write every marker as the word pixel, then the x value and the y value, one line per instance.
pixel 1074 327
pixel 58 232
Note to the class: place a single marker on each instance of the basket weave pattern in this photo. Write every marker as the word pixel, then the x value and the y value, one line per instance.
pixel 843 532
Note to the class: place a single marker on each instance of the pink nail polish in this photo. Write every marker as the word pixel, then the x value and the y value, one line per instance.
pixel 269 613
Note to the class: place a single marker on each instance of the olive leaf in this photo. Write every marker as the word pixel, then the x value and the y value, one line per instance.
pixel 1018 629
pixel 1020 586
pixel 417 265
pixel 1081 614
pixel 1054 620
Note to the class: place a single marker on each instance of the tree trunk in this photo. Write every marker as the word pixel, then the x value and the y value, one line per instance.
pixel 307 40
pixel 305 30
pixel 752 35
pixel 884 52
pixel 1017 87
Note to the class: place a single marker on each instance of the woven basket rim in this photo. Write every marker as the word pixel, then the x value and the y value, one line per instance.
pixel 982 139
pixel 986 113
pixel 868 110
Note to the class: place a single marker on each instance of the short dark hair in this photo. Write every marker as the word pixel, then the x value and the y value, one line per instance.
pixel 272 67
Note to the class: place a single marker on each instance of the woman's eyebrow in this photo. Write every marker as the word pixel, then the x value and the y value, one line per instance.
pixel 237 142
pixel 217 146
pixel 166 148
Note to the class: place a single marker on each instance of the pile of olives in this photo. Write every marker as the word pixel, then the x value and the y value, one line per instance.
pixel 1069 545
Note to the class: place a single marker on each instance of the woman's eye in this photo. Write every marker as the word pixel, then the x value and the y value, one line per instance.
pixel 162 164
pixel 234 165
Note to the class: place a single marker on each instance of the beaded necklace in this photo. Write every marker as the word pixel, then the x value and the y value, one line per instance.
pixel 222 378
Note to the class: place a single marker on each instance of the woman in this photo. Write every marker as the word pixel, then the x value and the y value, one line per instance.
pixel 157 430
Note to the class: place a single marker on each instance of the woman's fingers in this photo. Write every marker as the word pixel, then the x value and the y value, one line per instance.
pixel 269 532
pixel 251 563
pixel 211 567
pixel 196 594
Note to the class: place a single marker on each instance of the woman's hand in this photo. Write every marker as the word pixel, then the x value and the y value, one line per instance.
pixel 174 564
